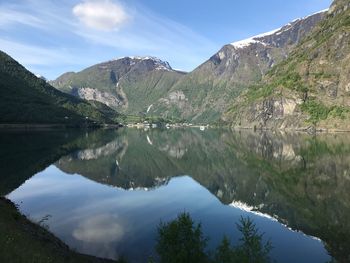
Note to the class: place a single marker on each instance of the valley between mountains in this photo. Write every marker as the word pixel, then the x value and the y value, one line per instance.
pixel 295 77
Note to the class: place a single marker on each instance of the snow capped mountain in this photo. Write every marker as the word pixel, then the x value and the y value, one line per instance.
pixel 316 73
pixel 264 38
pixel 160 64
pixel 131 84
pixel 127 84
pixel 205 93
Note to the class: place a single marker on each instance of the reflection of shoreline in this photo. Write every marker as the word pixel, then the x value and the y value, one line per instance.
pixel 255 210
pixel 301 180
pixel 103 220
pixel 307 130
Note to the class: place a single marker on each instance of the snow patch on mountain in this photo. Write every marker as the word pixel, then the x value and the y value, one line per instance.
pixel 160 64
pixel 259 39
pixel 40 77
pixel 253 40
pixel 319 12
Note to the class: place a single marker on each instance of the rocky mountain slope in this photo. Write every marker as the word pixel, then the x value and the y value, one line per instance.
pixel 130 84
pixel 137 85
pixel 25 98
pixel 311 89
pixel 204 94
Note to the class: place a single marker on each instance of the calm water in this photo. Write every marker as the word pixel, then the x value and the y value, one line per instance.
pixel 104 192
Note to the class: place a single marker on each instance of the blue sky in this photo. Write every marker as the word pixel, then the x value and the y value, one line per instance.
pixel 52 37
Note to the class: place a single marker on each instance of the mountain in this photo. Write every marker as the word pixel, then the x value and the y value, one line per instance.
pixel 130 84
pixel 27 99
pixel 310 89
pixel 147 85
pixel 204 94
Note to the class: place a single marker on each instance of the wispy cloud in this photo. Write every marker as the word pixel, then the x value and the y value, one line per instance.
pixel 36 55
pixel 80 32
pixel 10 17
pixel 46 61
pixel 152 34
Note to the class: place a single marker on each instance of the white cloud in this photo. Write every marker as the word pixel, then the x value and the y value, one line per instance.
pixel 54 38
pixel 151 34
pixel 101 15
pixel 100 228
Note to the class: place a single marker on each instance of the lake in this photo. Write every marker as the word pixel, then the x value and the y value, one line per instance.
pixel 104 192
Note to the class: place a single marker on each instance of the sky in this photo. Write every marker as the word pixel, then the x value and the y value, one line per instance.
pixel 51 37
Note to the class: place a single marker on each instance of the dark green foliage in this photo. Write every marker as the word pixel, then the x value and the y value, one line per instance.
pixel 24 98
pixel 140 83
pixel 290 80
pixel 107 111
pixel 259 91
pixel 224 252
pixel 251 247
pixel 181 241
pixel 23 154
pixel 318 111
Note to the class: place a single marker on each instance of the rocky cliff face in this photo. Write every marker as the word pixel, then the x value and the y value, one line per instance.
pixel 129 84
pixel 209 89
pixel 149 85
pixel 339 6
pixel 309 89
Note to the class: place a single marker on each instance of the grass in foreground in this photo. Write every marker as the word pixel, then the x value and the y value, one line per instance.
pixel 24 241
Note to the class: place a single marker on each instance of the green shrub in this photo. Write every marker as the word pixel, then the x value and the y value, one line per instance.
pixel 181 241
pixel 319 111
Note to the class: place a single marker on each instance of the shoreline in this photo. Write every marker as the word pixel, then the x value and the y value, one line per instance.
pixel 48 127
pixel 307 130
pixel 27 241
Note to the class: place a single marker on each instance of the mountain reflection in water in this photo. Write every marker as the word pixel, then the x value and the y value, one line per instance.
pixel 282 181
